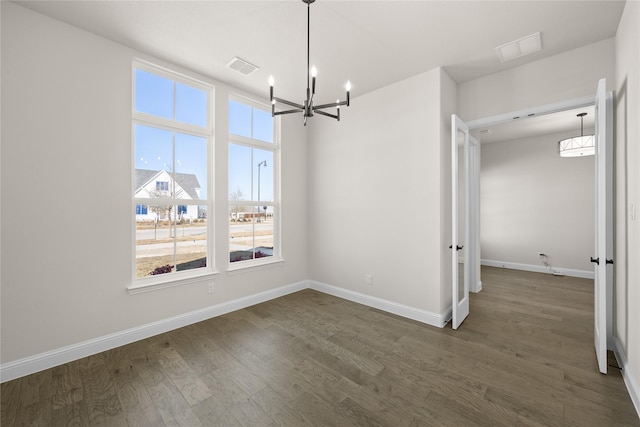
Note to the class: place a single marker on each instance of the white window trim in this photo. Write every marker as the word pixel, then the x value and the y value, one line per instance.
pixel 145 284
pixel 155 283
pixel 276 148
pixel 251 265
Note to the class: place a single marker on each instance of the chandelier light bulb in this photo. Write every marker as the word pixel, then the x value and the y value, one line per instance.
pixel 314 71
pixel 271 81
pixel 348 86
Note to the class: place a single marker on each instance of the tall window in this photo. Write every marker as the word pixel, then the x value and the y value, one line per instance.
pixel 172 142
pixel 253 190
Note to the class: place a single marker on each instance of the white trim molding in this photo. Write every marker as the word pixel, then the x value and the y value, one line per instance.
pixel 424 316
pixel 49 359
pixel 539 268
pixel 630 380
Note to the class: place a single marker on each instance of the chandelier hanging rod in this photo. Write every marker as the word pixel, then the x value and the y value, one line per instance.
pixel 308 109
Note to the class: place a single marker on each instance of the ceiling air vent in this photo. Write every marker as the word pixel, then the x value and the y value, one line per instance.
pixel 242 66
pixel 521 47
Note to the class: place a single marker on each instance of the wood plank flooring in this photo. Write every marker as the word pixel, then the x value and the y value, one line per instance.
pixel 523 357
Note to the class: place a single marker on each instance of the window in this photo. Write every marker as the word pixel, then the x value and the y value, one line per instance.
pixel 172 134
pixel 253 190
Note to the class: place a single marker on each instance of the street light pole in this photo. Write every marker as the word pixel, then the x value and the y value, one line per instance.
pixel 262 163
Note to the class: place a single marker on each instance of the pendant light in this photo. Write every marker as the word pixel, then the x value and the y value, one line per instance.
pixel 577 146
pixel 308 109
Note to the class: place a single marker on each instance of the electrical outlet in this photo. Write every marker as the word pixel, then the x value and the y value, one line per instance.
pixel 368 279
pixel 211 288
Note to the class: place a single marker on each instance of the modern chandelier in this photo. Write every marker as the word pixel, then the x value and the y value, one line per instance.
pixel 583 145
pixel 308 109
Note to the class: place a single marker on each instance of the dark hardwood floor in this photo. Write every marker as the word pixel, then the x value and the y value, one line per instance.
pixel 523 357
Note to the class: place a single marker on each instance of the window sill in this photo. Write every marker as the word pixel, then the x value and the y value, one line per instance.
pixel 253 265
pixel 157 284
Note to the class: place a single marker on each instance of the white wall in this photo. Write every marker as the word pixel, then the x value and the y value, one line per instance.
pixel 67 260
pixel 627 194
pixel 533 201
pixel 568 75
pixel 375 194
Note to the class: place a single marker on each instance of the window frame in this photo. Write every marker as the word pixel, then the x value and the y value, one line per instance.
pixel 275 147
pixel 149 283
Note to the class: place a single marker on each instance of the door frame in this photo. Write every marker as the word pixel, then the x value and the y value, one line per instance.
pixel 569 104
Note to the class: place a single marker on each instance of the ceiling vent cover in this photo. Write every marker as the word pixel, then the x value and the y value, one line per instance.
pixel 242 66
pixel 518 48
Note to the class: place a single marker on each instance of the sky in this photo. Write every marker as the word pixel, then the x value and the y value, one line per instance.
pixel 158 149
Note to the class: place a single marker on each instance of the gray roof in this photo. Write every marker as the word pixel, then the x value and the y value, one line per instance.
pixel 188 181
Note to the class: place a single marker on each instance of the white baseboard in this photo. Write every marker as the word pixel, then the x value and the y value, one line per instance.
pixel 538 268
pixel 630 380
pixel 477 288
pixel 49 359
pixel 424 316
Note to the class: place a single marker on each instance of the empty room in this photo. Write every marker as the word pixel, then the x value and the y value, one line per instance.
pixel 320 212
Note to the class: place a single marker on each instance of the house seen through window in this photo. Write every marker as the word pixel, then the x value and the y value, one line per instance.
pixel 172 142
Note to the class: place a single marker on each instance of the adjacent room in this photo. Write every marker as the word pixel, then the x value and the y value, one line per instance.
pixel 241 213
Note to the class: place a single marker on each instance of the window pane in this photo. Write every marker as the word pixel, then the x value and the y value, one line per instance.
pixel 240 233
pixel 263 246
pixel 250 232
pixel 263 176
pixel 191 167
pixel 262 125
pixel 191 105
pixel 154 242
pixel 153 157
pixel 239 172
pixel 239 119
pixel 153 94
pixel 191 239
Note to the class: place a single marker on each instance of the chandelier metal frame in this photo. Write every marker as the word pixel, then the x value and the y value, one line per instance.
pixel 308 109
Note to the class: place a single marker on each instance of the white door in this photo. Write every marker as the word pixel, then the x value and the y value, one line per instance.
pixel 464 212
pixel 603 259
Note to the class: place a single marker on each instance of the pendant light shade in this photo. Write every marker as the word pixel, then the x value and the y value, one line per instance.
pixel 577 146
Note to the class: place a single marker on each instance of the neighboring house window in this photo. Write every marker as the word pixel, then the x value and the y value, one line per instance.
pixel 172 133
pixel 254 201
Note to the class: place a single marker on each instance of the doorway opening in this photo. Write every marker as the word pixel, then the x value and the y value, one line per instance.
pixel 602 102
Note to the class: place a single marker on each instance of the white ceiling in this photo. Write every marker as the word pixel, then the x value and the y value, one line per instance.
pixel 370 43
